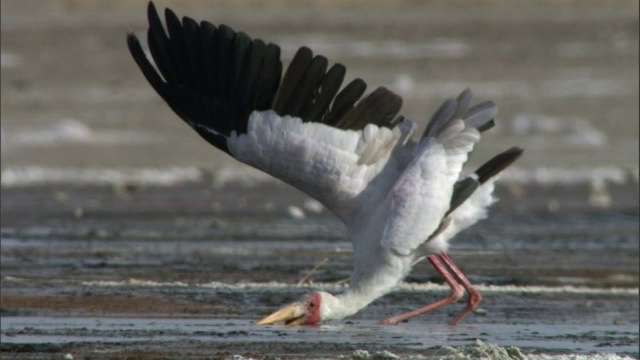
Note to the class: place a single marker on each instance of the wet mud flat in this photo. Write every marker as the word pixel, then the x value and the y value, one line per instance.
pixel 183 271
pixel 188 338
pixel 97 263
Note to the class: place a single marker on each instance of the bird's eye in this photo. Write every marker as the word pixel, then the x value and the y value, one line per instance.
pixel 311 304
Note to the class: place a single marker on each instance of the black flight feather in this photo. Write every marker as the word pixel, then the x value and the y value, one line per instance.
pixel 498 163
pixel 214 78
pixel 464 188
pixel 306 90
pixel 327 91
pixel 343 103
pixel 291 78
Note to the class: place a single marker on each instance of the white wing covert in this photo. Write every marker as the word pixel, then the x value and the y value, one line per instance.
pixel 332 165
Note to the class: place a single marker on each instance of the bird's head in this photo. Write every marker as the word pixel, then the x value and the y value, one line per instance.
pixel 308 311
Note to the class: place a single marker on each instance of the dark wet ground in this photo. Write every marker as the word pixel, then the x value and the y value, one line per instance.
pixel 185 270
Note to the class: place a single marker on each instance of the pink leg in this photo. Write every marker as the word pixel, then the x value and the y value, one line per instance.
pixel 456 293
pixel 474 295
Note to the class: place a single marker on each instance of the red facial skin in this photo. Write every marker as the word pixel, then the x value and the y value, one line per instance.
pixel 312 315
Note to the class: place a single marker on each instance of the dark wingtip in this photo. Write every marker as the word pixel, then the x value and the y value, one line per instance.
pixel 151 9
pixel 135 48
pixel 132 39
pixel 513 152
pixel 491 123
pixel 462 190
pixel 498 163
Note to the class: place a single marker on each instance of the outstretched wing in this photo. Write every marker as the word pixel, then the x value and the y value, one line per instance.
pixel 345 151
pixel 303 130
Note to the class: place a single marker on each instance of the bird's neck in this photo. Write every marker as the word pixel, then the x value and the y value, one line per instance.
pixel 349 303
pixel 377 271
pixel 358 296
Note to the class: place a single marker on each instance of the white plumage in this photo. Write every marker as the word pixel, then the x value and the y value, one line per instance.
pixel 401 199
pixel 332 165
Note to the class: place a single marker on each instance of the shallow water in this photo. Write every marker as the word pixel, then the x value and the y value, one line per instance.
pixel 156 268
pixel 409 337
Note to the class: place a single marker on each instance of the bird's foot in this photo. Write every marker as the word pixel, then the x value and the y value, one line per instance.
pixel 389 321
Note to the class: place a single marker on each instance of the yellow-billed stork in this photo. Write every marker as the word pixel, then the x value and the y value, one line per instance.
pixel 401 199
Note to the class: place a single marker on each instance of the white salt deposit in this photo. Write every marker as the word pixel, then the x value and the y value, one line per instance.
pixel 36 175
pixel 425 287
pixel 246 176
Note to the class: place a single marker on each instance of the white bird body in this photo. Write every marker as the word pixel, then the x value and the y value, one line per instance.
pixel 400 199
pixel 385 244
